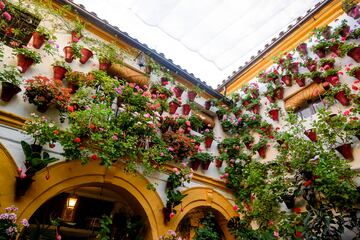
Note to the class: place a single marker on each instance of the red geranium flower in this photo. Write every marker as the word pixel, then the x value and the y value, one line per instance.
pixel 77 140
pixel 93 157
pixel 307 183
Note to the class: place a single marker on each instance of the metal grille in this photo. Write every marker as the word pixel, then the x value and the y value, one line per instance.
pixel 20 28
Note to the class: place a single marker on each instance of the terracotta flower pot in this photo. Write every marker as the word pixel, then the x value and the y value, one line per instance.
pixel 346 151
pixel 173 106
pixel 321 53
pixel 186 109
pixel 279 93
pixel 317 79
pixel 195 164
pixel 59 72
pixel 287 80
pixel 294 68
pixel 104 64
pixel 311 66
pixel 208 142
pixel 38 40
pixel 8 91
pixel 75 37
pixel 205 165
pixel 354 12
pixel 333 79
pixel 191 95
pixel 24 62
pixel 355 54
pixel 274 113
pixel 69 54
pixel 22 185
pixel 271 99
pixel 218 163
pixel 311 134
pixel 256 109
pixel 86 54
pixel 42 108
pixel 302 48
pixel 262 152
pixel 300 81
pixel 357 74
pixel 248 145
pixel 208 104
pixel 178 92
pixel 342 98
pixel 335 49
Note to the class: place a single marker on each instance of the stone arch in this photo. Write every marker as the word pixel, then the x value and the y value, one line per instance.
pixel 204 197
pixel 69 175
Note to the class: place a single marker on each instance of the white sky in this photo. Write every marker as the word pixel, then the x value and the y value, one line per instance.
pixel 210 38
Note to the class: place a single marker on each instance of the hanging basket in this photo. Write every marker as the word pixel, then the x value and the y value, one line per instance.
pixel 86 54
pixel 342 98
pixel 208 142
pixel 195 164
pixel 38 40
pixel 191 95
pixel 186 109
pixel 59 72
pixel 24 62
pixel 274 113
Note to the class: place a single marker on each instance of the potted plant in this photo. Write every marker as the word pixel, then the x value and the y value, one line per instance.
pixel 10 80
pixel 71 52
pixel 9 228
pixel 107 54
pixel 311 64
pixel 273 111
pixel 321 49
pixel 260 147
pixel 209 137
pixel 204 158
pixel 254 105
pixel 34 161
pixel 179 89
pixel 208 104
pixel 351 8
pixel 186 108
pixel 192 95
pixel 40 35
pixel 43 92
pixel 299 79
pixel 302 49
pixel 60 68
pixel 332 77
pixel 26 58
pixel 247 139
pixel 315 76
pixel 354 72
pixel 340 92
pixel 181 145
pixel 74 80
pixel 327 63
pixel 311 134
pixel 220 159
pixel 221 112
pixel 86 54
pixel 270 92
pixel 173 105
pixel 76 33
pixel 43 131
pixel 287 79
pixel 342 30
pixel 353 51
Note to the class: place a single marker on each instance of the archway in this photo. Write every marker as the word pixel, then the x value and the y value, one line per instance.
pixel 65 176
pixel 203 197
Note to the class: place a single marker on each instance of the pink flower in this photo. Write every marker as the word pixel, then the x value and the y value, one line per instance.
pixel 226 174
pixel 170 149
pixel 172 215
pixel 7 16
pixel 346 113
pixel 188 123
pixel 22 175
pixel 183 164
pixel 25 223
pixel 115 137
pixel 161 154
pixel 276 234
pixel 2 5
pixel 235 207
pixel 354 87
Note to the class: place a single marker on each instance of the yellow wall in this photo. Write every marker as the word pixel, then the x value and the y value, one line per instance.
pixel 322 18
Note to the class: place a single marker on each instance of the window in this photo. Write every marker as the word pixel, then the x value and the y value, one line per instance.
pixel 311 108
pixel 20 28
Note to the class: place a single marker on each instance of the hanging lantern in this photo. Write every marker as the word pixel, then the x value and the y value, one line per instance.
pixel 68 214
pixel 71 201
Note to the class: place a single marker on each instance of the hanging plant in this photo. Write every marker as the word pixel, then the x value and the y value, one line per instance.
pixel 76 32
pixel 321 49
pixel 287 78
pixel 72 52
pixel 273 111
pixel 299 79
pixel 302 49
pixel 342 30
pixel 26 58
pixel 340 92
pixel 173 105
pixel 332 77
pixel 354 72
pixel 311 64
pixel 204 158
pixel 179 89
pixel 351 8
pixel 209 137
pixel 315 76
pixel 327 63
pixel 60 68
pixel 247 139
pixel 10 80
pixel 260 147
